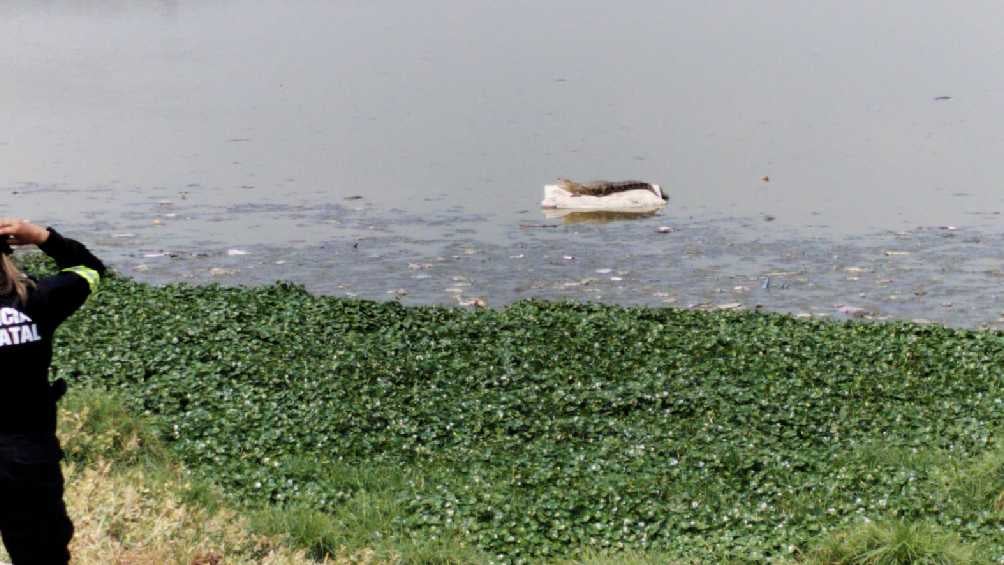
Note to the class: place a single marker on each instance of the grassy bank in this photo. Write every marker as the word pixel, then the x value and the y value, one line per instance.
pixel 549 431
pixel 132 503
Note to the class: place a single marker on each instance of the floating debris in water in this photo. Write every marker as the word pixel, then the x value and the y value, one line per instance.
pixel 942 98
pixel 477 302
pixel 852 311
pixel 234 252
pixel 730 306
pixel 123 235
pixel 896 253
pixel 584 282
pixel 221 272
pixel 665 229
pixel 604 271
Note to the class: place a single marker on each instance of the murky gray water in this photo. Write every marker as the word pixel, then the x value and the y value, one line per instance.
pixel 169 133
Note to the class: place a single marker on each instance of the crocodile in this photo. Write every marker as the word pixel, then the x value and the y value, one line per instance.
pixel 606 188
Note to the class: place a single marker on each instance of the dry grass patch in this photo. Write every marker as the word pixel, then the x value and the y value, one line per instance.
pixel 122 519
pixel 132 506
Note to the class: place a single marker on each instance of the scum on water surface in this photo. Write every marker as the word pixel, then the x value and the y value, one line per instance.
pixel 939 274
pixel 447 255
pixel 543 428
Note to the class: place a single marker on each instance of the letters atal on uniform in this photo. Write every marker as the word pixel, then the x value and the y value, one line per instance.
pixel 16 328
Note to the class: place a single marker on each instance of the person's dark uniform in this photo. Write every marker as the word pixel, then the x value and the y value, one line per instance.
pixel 33 519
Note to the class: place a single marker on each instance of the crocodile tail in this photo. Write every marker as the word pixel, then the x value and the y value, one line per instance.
pixel 624 186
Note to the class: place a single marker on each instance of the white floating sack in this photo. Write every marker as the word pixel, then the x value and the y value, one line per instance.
pixel 556 197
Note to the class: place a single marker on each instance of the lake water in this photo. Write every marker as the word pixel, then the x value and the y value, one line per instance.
pixel 169 133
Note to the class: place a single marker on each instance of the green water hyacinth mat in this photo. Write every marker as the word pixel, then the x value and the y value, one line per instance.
pixel 545 428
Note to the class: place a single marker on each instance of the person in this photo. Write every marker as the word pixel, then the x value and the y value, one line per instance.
pixel 34 523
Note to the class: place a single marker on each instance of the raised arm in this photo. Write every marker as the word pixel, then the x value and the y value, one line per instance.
pixel 69 253
pixel 57 297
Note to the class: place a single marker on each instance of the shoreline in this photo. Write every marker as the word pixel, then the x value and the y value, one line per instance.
pixel 929 275
pixel 671 430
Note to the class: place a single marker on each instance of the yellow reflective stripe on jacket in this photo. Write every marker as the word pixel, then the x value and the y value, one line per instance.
pixel 90 275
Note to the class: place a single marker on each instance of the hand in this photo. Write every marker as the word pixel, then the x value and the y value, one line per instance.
pixel 22 232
